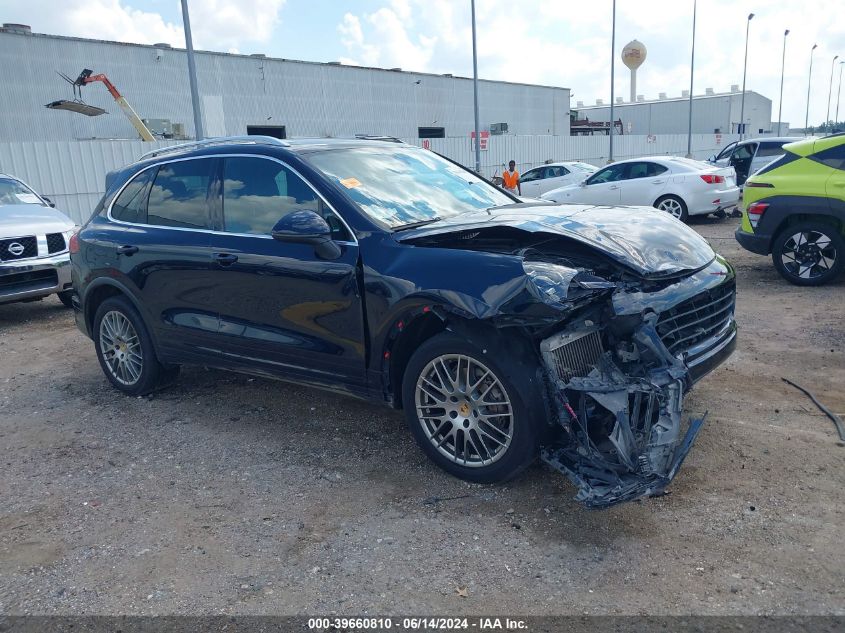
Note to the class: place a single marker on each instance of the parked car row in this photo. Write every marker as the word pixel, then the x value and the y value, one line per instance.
pixel 34 259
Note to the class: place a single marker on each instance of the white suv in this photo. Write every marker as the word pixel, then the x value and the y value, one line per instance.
pixel 34 238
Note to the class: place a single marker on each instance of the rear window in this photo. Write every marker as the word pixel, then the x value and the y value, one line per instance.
pixel 179 194
pixel 131 204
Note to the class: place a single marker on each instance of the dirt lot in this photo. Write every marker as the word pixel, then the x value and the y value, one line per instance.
pixel 227 494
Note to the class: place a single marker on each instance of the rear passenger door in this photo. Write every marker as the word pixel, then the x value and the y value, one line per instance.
pixel 164 254
pixel 644 181
pixel 282 307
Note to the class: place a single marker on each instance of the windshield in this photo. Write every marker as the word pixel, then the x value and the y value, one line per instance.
pixel 15 192
pixel 403 185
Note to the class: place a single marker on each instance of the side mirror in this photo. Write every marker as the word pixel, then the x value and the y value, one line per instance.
pixel 49 202
pixel 583 183
pixel 712 159
pixel 307 227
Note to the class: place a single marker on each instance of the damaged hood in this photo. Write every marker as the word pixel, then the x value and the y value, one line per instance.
pixel 648 241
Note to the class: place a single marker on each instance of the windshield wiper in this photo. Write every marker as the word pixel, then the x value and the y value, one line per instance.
pixel 414 225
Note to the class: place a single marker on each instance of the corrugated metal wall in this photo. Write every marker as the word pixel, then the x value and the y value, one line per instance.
pixel 309 99
pixel 72 173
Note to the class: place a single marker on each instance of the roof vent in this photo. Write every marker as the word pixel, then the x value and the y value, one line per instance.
pixel 709 91
pixel 640 98
pixel 662 95
pixel 258 55
pixel 685 94
pixel 334 64
pixel 162 45
pixel 19 29
pixel 396 70
pixel 448 75
pixel 620 100
pixel 599 101
pixel 734 87
pixel 579 104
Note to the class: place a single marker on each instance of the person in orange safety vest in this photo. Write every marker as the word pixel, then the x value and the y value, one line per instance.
pixel 510 179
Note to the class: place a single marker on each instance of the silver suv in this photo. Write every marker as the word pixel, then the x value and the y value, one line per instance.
pixel 751 155
pixel 34 238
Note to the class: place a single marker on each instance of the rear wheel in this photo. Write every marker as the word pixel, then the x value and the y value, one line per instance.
pixel 466 413
pixel 809 253
pixel 674 206
pixel 125 349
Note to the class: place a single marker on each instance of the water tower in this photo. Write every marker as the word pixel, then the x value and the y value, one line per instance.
pixel 633 55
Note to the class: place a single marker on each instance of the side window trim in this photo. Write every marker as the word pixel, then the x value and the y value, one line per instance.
pixel 354 240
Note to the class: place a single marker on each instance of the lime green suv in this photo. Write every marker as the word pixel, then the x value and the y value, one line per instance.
pixel 794 208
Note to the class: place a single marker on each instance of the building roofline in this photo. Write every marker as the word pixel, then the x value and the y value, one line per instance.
pixel 716 95
pixel 279 59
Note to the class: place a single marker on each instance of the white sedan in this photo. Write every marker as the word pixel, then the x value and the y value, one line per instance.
pixel 541 179
pixel 680 186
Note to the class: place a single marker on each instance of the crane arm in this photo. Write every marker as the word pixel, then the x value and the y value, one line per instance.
pixel 87 77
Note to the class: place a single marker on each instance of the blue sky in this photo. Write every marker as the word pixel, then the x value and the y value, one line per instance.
pixel 554 42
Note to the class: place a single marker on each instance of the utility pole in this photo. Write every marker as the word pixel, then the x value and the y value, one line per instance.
pixel 612 94
pixel 474 92
pixel 830 89
pixel 839 92
pixel 809 83
pixel 744 70
pixel 691 70
pixel 192 72
pixel 780 101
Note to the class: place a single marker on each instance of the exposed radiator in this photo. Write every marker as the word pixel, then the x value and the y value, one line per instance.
pixel 571 354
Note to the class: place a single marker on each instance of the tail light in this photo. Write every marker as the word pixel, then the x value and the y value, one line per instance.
pixel 712 179
pixel 755 211
pixel 73 243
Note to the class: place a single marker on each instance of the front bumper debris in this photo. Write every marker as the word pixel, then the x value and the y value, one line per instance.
pixel 622 431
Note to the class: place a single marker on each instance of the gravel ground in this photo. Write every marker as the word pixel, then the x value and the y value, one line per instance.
pixel 228 494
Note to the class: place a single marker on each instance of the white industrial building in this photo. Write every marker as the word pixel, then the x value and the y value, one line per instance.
pixel 241 94
pixel 712 113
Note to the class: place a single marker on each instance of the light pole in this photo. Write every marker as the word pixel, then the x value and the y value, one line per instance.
pixel 782 67
pixel 830 88
pixel 839 91
pixel 192 72
pixel 612 94
pixel 691 69
pixel 809 83
pixel 744 69
pixel 475 93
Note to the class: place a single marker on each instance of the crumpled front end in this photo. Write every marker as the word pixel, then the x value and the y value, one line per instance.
pixel 623 434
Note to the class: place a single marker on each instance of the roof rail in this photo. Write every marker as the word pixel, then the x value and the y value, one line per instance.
pixel 255 139
pixel 378 137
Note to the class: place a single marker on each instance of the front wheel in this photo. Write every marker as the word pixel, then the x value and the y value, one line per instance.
pixel 673 205
pixel 809 253
pixel 466 412
pixel 125 349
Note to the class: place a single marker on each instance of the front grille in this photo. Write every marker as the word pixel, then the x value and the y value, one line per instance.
pixel 572 354
pixel 697 319
pixel 18 248
pixel 55 243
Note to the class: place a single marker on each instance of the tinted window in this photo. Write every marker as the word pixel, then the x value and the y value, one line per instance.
pixel 770 149
pixel 832 157
pixel 608 174
pixel 645 170
pixel 744 151
pixel 179 195
pixel 534 174
pixel 131 204
pixel 257 193
pixel 556 172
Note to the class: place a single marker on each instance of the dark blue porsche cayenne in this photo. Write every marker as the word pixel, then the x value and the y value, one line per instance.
pixel 505 329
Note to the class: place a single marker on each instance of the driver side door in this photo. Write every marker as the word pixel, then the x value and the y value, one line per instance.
pixel 281 305
pixel 531 181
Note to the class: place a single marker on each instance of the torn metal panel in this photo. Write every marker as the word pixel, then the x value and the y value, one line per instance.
pixel 622 430
pixel 75 106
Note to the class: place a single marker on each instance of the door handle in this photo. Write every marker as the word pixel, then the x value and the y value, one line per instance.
pixel 127 249
pixel 613 188
pixel 225 259
pixel 657 182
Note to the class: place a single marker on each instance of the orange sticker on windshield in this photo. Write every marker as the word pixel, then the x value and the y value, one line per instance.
pixel 350 183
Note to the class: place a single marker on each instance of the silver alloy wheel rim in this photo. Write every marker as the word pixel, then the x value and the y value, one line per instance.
pixel 672 206
pixel 464 410
pixel 808 254
pixel 121 348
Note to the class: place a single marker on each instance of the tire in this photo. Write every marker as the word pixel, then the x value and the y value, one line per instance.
pixel 673 205
pixel 66 298
pixel 809 253
pixel 130 364
pixel 488 455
